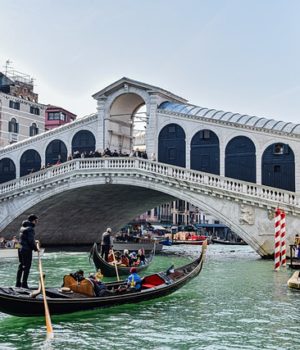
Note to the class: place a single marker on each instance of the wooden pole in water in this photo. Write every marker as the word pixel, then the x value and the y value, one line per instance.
pixel 49 327
pixel 115 263
pixel 282 239
pixel 277 239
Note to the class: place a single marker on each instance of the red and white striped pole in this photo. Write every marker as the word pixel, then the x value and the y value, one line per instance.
pixel 282 239
pixel 277 239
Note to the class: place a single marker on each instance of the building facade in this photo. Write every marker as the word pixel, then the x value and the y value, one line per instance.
pixel 21 116
pixel 57 116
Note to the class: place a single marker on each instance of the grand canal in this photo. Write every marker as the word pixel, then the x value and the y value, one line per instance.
pixel 237 302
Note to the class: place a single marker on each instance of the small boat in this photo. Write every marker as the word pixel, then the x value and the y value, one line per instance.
pixel 186 237
pixel 109 270
pixel 187 241
pixel 223 241
pixel 146 244
pixel 25 302
pixel 294 281
pixel 6 253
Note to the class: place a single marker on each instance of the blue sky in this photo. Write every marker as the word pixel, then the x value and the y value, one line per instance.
pixel 234 55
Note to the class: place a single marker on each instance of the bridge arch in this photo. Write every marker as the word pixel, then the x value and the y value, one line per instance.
pixel 121 108
pixel 83 141
pixel 172 145
pixel 30 162
pixel 278 166
pixel 205 152
pixel 240 159
pixel 7 170
pixel 56 151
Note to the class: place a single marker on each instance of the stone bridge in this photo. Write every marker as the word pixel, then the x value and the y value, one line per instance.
pixel 78 199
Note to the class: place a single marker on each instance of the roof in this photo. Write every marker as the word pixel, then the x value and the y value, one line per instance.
pixel 150 88
pixel 242 119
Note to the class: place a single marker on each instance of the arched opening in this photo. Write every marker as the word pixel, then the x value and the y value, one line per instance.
pixel 56 152
pixel 30 162
pixel 171 145
pixel 7 170
pixel 83 142
pixel 240 159
pixel 205 152
pixel 127 114
pixel 278 167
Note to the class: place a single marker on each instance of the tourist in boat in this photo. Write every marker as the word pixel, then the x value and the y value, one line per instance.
pixel 133 282
pixel 106 243
pixel 141 259
pixel 99 286
pixel 133 258
pixel 124 259
pixel 27 245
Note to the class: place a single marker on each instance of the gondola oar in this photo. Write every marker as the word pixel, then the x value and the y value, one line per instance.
pixel 115 263
pixel 47 313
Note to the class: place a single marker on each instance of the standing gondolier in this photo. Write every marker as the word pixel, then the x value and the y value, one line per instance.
pixel 27 245
pixel 106 243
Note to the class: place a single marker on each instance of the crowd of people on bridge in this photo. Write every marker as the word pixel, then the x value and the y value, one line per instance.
pixel 96 154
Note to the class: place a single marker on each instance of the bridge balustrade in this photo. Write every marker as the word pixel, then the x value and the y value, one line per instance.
pixel 190 178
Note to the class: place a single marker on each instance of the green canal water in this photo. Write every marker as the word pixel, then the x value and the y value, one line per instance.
pixel 237 302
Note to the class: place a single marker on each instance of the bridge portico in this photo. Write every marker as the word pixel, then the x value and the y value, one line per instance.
pixel 214 149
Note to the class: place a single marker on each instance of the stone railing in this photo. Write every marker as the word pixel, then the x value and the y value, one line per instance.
pixel 174 176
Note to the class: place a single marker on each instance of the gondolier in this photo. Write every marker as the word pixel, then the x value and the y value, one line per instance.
pixel 27 245
pixel 106 243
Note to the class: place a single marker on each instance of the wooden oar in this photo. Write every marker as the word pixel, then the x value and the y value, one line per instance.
pixel 115 263
pixel 47 313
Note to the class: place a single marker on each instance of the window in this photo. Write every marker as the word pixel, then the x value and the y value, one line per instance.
pixel 34 110
pixel 14 104
pixel 204 134
pixel 56 116
pixel 13 126
pixel 172 129
pixel 33 130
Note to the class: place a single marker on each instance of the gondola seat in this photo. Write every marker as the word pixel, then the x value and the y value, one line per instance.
pixel 84 287
pixel 152 281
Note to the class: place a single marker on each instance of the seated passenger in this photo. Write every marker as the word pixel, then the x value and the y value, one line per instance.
pixel 124 260
pixel 133 258
pixel 110 256
pixel 133 282
pixel 141 257
pixel 99 287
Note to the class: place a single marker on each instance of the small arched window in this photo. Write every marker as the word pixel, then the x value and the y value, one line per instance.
pixel 33 129
pixel 13 126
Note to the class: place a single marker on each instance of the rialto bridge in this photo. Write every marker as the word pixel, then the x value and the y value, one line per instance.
pixel 238 168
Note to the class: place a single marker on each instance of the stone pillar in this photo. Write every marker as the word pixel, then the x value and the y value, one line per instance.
pixel 188 152
pixel 101 124
pixel 151 129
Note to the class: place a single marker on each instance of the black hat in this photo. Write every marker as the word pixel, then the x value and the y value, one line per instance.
pixel 32 217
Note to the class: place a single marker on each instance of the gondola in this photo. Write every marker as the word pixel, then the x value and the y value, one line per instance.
pixel 223 241
pixel 109 270
pixel 19 302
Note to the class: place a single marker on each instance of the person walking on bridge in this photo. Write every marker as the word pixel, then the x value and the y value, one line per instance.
pixel 27 245
pixel 106 243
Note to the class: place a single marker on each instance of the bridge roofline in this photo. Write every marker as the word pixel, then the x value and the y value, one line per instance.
pixel 150 88
pixel 237 119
